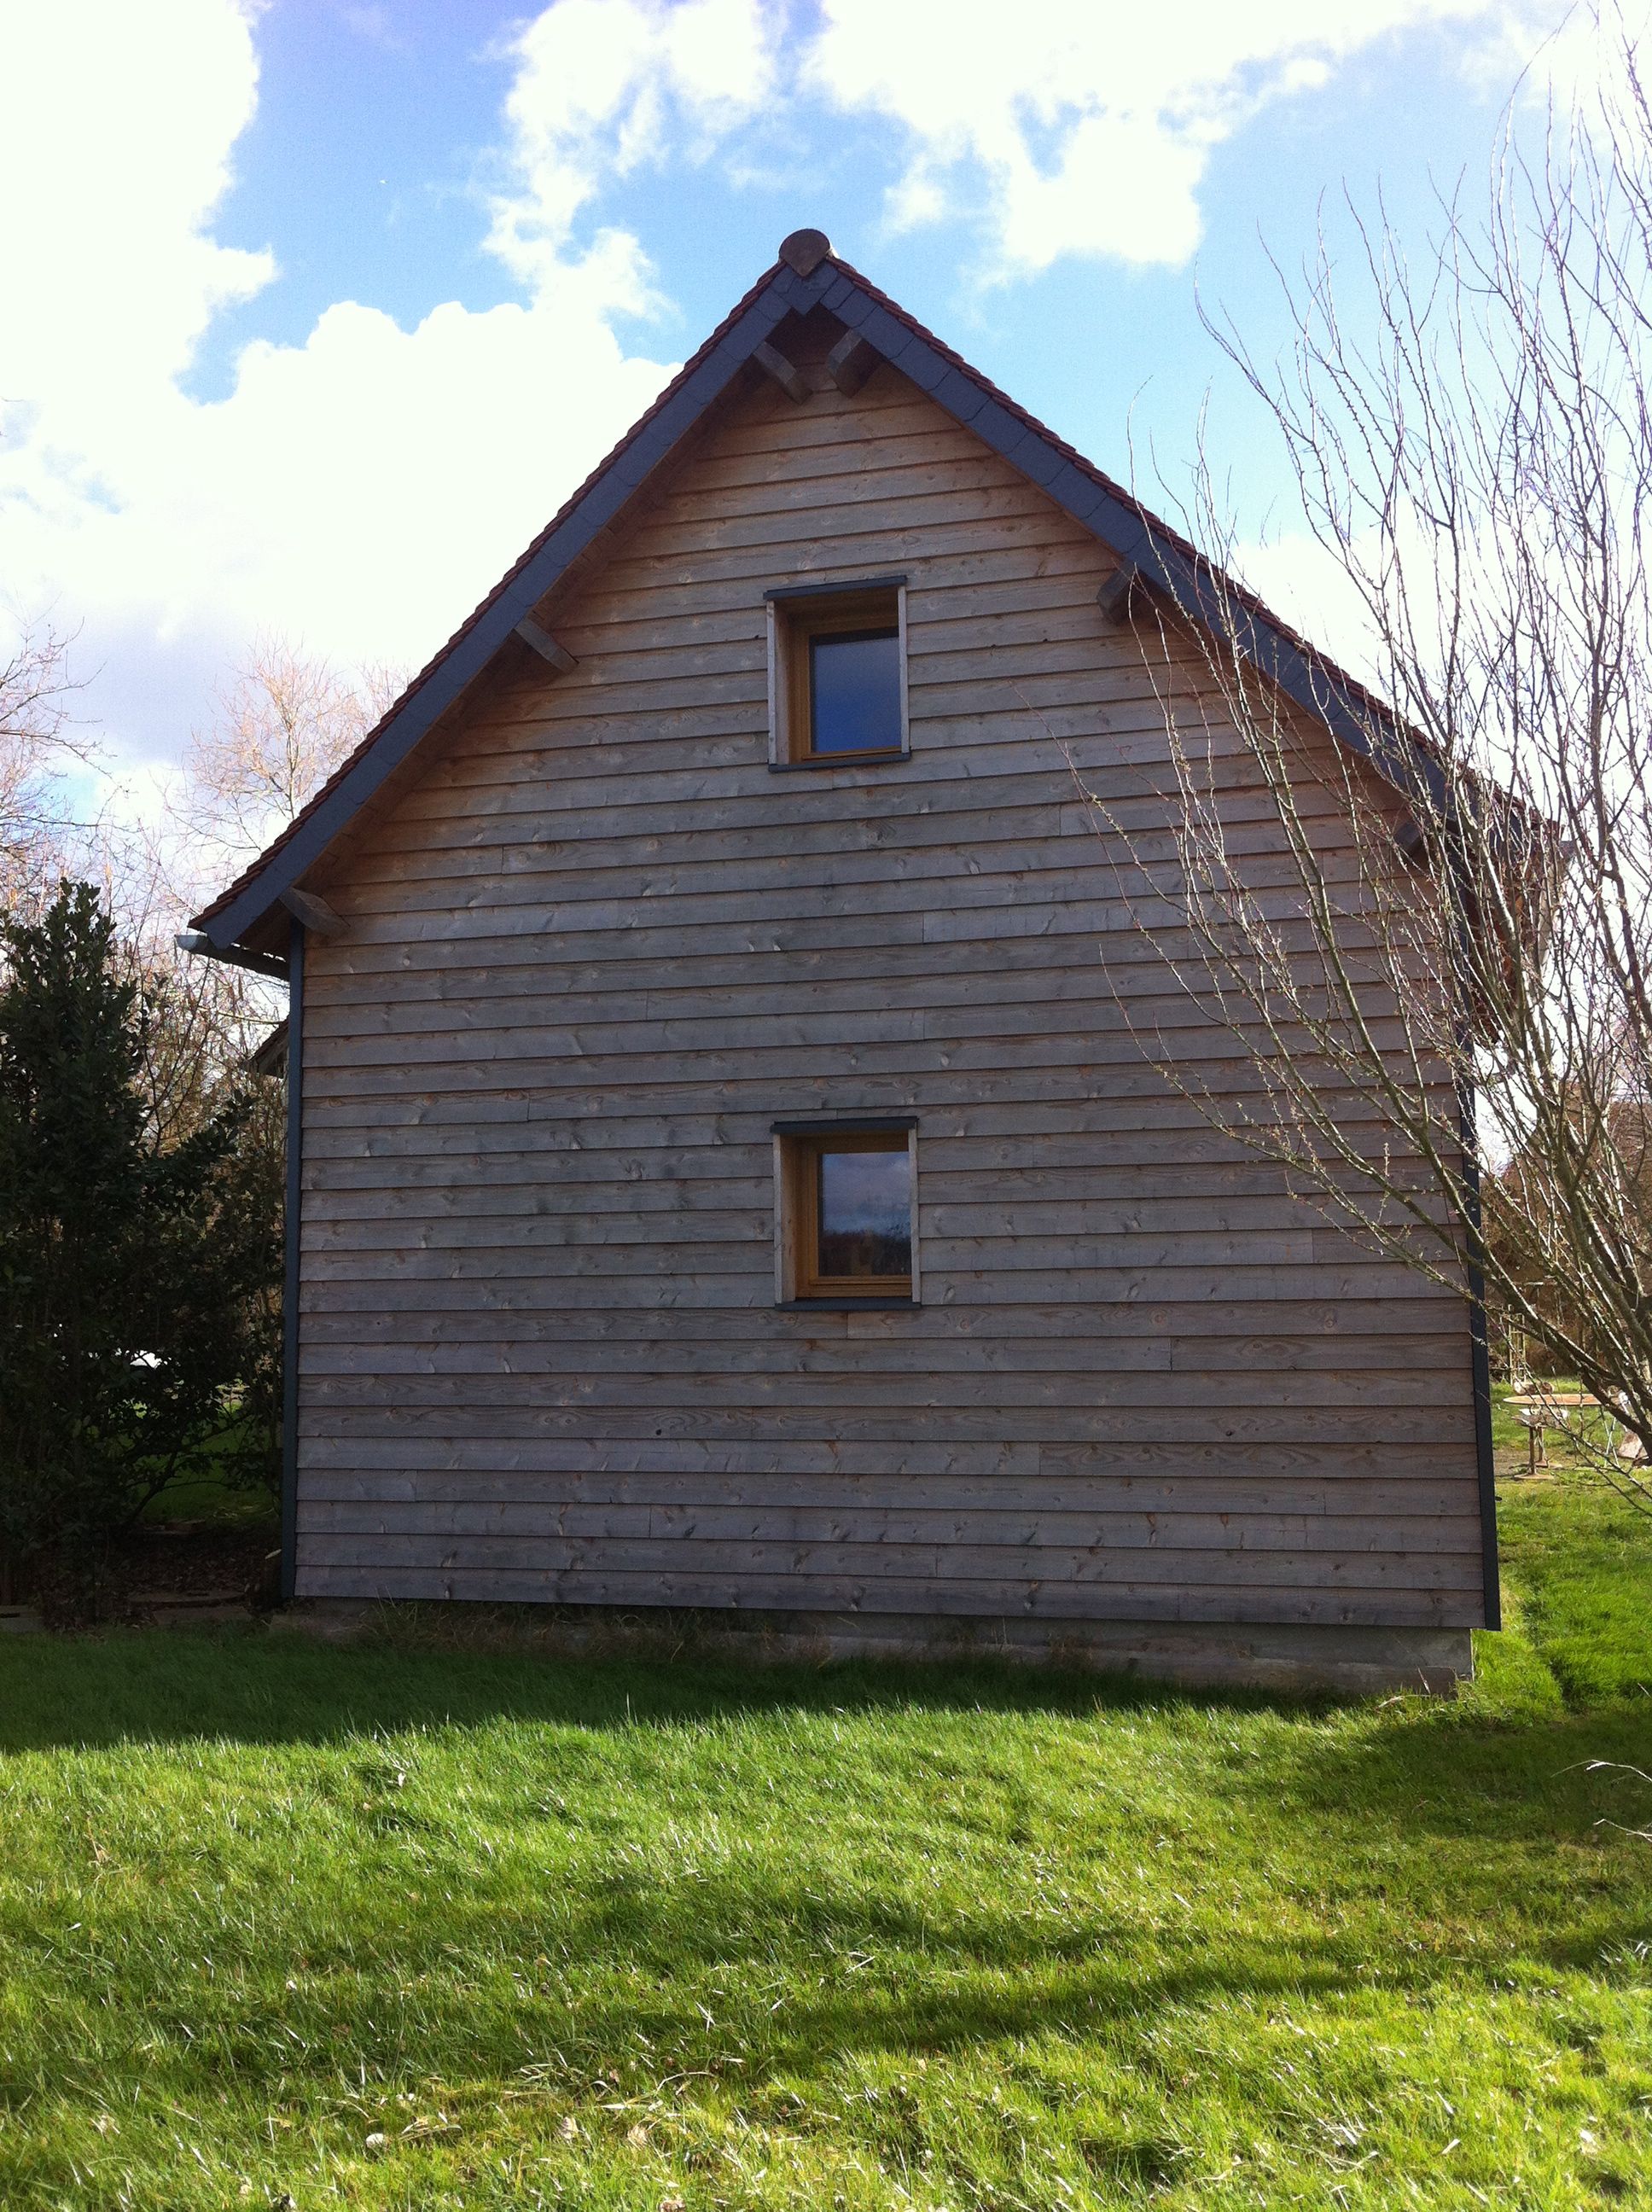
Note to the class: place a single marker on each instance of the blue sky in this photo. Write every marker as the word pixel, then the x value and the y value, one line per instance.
pixel 330 304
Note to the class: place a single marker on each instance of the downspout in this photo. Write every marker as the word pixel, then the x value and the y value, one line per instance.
pixel 1480 1363
pixel 290 971
pixel 1468 1142
pixel 289 1268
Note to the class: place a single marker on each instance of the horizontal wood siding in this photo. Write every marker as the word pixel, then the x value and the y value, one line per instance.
pixel 597 947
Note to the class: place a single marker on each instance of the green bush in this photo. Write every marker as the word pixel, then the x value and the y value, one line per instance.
pixel 132 1273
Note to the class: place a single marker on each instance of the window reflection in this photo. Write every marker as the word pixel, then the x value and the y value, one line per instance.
pixel 854 683
pixel 864 1213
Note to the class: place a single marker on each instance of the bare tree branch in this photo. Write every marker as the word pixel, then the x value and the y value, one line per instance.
pixel 37 747
pixel 1435 956
pixel 286 719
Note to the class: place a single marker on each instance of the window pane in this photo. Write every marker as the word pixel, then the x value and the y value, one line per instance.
pixel 866 1213
pixel 854 685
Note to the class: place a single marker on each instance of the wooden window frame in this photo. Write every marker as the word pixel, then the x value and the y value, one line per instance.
pixel 798 1148
pixel 797 614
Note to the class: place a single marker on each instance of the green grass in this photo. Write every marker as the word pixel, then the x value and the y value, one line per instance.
pixel 1578 1555
pixel 1587 1601
pixel 222 1489
pixel 615 1935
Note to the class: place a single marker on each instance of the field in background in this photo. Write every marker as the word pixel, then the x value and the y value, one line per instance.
pixel 409 1924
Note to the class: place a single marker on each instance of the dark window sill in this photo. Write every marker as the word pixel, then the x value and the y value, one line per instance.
pixel 892 758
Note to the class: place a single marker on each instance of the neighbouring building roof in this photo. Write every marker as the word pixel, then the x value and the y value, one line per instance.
pixel 807 275
pixel 269 1058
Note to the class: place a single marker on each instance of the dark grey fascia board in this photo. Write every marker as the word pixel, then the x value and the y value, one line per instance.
pixel 1369 733
pixel 1372 735
pixel 198 943
pixel 493 629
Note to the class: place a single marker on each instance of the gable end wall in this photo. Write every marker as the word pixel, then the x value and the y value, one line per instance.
pixel 598 948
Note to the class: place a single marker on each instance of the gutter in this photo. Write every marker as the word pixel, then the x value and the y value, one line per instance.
pixel 290 1287
pixel 290 971
pixel 1480 1363
pixel 198 943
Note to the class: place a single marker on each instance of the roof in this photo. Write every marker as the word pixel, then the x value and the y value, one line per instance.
pixel 269 1058
pixel 807 275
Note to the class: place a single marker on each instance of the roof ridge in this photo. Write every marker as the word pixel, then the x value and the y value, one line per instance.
pixel 827 274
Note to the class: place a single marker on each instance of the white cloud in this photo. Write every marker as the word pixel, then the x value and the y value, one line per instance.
pixel 119 125
pixel 361 490
pixel 1308 586
pixel 604 86
pixel 1071 127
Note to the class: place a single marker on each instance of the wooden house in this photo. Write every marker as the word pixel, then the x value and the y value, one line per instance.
pixel 720 1175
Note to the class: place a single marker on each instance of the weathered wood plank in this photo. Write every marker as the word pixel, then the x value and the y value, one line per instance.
pixel 453 974
pixel 457 1375
pixel 1066 848
pixel 904 814
pixel 625 768
pixel 549 1058
pixel 486 1465
pixel 1024 1600
pixel 727 1210
pixel 939 1530
pixel 1381 1330
pixel 948 1480
pixel 595 948
pixel 325 1402
pixel 1002 905
pixel 1077 1338
pixel 1131 1121
pixel 605 1177
pixel 1074 1567
pixel 772 1345
pixel 510 1281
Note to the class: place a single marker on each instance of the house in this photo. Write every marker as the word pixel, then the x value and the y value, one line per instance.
pixel 720 1176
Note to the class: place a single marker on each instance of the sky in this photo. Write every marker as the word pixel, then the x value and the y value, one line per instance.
pixel 312 312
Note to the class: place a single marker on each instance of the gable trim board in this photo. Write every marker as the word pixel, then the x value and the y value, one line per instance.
pixel 1146 547
pixel 419 1280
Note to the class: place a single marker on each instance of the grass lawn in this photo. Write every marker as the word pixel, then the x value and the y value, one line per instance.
pixel 222 1489
pixel 411 1926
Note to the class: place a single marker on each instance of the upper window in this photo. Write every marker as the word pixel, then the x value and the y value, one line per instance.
pixel 838 674
pixel 846 1212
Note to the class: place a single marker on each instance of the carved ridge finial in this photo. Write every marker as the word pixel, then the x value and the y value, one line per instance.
pixel 804 251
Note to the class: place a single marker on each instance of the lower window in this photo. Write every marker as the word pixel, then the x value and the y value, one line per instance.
pixel 846 1212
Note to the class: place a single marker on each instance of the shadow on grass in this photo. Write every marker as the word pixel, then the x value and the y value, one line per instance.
pixel 796 1968
pixel 960 2006
pixel 1461 1772
pixel 250 1686
pixel 1394 1854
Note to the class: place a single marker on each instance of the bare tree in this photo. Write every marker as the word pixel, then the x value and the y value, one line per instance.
pixel 286 719
pixel 197 1022
pixel 37 746
pixel 1431 944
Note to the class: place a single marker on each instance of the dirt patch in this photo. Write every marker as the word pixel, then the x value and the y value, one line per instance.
pixel 164 1570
